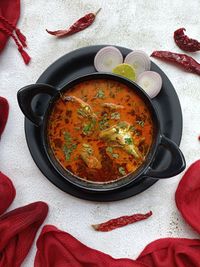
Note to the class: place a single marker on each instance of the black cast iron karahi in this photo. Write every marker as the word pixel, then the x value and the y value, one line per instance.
pixel 177 164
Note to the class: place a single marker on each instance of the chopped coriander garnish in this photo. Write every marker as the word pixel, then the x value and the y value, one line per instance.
pixel 68 150
pixel 68 146
pixel 74 146
pixel 141 123
pixel 81 112
pixel 88 127
pixel 103 124
pixel 128 140
pixel 88 149
pixel 137 132
pixel 122 124
pixel 100 94
pixel 109 149
pixel 67 137
pixel 122 171
pixel 115 116
pixel 132 128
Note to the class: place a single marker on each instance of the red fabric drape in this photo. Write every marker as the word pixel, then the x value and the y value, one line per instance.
pixel 59 249
pixel 4 110
pixel 171 252
pixel 7 192
pixel 9 9
pixel 9 15
pixel 17 232
pixel 166 252
pixel 188 196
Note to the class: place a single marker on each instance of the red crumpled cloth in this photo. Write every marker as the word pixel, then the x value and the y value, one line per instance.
pixel 17 232
pixel 188 196
pixel 9 9
pixel 7 190
pixel 180 252
pixel 56 248
pixel 171 252
pixel 7 193
pixel 4 110
pixel 9 15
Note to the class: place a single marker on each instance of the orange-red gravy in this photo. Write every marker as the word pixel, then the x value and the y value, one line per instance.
pixel 72 131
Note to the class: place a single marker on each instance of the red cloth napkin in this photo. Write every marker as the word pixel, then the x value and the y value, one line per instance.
pixel 10 10
pixel 4 109
pixel 171 252
pixel 7 192
pixel 188 196
pixel 9 15
pixel 17 232
pixel 166 252
pixel 56 248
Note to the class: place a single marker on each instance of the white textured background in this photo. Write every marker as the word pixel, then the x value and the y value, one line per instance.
pixel 138 24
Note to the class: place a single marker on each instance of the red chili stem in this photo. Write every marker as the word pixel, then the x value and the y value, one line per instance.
pixel 184 42
pixel 120 222
pixel 78 26
pixel 97 11
pixel 184 61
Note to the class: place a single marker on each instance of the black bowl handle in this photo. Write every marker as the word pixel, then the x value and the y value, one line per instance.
pixel 26 95
pixel 176 165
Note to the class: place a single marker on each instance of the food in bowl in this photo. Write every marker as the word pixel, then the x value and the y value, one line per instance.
pixel 100 130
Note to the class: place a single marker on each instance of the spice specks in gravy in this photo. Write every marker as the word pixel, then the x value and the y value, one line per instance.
pixel 100 130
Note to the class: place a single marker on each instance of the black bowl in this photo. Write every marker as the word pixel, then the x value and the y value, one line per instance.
pixel 177 164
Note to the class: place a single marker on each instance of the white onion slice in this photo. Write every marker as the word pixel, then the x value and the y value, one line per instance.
pixel 107 59
pixel 151 82
pixel 139 60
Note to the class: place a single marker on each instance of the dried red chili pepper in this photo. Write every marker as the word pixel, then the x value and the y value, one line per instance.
pixel 184 61
pixel 78 26
pixel 199 137
pixel 184 42
pixel 120 222
pixel 4 108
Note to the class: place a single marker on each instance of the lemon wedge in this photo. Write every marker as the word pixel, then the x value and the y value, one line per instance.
pixel 126 71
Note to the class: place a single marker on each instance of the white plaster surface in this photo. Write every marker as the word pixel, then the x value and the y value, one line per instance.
pixel 138 24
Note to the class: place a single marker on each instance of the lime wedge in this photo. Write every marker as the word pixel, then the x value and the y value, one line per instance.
pixel 126 71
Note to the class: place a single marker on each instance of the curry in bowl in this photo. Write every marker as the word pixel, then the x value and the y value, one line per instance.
pixel 100 130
